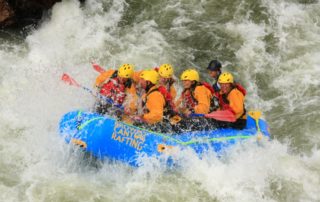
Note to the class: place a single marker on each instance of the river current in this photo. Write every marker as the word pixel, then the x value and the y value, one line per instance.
pixel 271 46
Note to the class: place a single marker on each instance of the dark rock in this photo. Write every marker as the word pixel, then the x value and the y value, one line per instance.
pixel 23 12
pixel 6 14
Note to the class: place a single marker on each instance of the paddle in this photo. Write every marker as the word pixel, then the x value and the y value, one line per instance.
pixel 256 116
pixel 69 80
pixel 221 115
pixel 97 67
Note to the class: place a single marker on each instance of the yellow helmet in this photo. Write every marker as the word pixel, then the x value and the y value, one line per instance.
pixel 225 77
pixel 126 71
pixel 150 75
pixel 190 74
pixel 166 70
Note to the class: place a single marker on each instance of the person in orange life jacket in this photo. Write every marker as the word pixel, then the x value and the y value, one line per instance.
pixel 153 102
pixel 231 98
pixel 116 85
pixel 167 88
pixel 166 79
pixel 214 68
pixel 195 98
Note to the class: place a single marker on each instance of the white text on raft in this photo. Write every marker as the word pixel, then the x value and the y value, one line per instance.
pixel 128 135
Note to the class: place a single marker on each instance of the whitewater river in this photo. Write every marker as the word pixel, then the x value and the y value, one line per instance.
pixel 271 46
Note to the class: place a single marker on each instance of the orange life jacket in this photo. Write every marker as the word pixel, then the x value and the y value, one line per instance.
pixel 170 108
pixel 224 102
pixel 190 101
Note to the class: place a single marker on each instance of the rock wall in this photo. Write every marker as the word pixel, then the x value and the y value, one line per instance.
pixel 23 12
pixel 6 13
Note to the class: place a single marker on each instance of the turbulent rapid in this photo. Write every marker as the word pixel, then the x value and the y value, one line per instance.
pixel 271 46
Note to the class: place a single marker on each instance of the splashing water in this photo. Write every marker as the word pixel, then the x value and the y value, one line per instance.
pixel 272 47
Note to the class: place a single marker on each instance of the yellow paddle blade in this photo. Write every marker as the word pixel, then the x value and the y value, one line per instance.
pixel 255 114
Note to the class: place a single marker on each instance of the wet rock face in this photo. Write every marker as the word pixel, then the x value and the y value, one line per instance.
pixel 23 12
pixel 6 13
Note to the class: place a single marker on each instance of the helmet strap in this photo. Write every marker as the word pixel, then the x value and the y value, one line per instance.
pixel 219 72
pixel 194 85
pixel 149 85
pixel 171 81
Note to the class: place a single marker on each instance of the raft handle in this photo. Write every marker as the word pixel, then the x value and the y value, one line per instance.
pixel 80 143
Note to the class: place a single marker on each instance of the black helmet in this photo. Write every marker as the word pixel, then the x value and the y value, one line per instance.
pixel 214 65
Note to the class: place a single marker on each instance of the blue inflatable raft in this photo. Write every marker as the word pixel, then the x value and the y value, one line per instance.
pixel 105 137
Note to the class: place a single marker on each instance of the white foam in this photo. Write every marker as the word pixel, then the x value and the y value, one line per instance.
pixel 33 99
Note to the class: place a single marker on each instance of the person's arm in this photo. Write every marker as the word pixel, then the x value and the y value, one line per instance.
pixel 102 77
pixel 173 92
pixel 236 102
pixel 131 100
pixel 202 95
